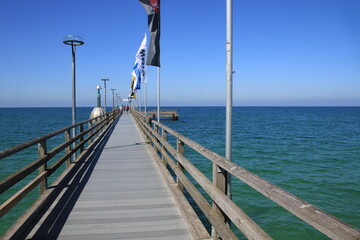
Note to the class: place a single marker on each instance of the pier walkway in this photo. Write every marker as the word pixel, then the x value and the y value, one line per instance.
pixel 117 194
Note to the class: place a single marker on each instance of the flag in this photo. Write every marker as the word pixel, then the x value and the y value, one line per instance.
pixel 152 8
pixel 140 59
pixel 136 78
pixel 139 69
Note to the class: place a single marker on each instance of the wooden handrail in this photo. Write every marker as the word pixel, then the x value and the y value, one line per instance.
pixel 30 143
pixel 97 126
pixel 22 173
pixel 322 221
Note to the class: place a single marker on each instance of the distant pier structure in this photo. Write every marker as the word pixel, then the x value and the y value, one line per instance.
pixel 172 114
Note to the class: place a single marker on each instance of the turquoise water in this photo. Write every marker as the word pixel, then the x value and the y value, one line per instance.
pixel 312 152
pixel 18 125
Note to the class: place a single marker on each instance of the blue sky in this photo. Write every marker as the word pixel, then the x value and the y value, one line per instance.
pixel 286 53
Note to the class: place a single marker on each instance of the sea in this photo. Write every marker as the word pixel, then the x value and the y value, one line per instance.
pixel 311 152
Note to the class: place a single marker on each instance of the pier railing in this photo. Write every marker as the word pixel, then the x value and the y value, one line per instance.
pixel 71 152
pixel 223 207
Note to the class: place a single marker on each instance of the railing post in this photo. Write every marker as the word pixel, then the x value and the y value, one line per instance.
pixel 68 148
pixel 73 145
pixel 156 129
pixel 101 124
pixel 219 180
pixel 42 168
pixel 90 126
pixel 148 122
pixel 164 136
pixel 180 149
pixel 82 138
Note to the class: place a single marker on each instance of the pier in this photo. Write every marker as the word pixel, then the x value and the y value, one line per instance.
pixel 123 179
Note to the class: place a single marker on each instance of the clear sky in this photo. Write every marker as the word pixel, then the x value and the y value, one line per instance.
pixel 286 52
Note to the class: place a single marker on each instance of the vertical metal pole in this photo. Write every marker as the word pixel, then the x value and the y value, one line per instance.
pixel 145 99
pixel 105 94
pixel 73 41
pixel 105 79
pixel 158 99
pixel 113 99
pixel 73 48
pixel 229 90
pixel 221 178
pixel 139 100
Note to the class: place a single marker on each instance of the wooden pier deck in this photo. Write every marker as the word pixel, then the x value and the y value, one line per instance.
pixel 119 194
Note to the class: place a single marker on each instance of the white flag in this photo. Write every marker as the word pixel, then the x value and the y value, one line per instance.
pixel 139 65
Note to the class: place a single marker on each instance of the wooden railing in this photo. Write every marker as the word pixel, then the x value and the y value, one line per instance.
pixel 223 207
pixel 71 152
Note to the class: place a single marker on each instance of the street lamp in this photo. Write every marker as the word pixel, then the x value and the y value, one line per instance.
pixel 113 89
pixel 117 100
pixel 73 41
pixel 105 80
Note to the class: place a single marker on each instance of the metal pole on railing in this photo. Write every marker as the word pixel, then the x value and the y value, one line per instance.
pixel 221 178
pixel 158 98
pixel 73 41
pixel 113 99
pixel 229 90
pixel 105 80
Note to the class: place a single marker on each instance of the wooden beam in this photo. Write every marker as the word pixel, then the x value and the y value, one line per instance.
pixel 11 202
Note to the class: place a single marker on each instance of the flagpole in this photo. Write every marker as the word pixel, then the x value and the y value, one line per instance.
pixel 229 90
pixel 158 99
pixel 139 100
pixel 145 100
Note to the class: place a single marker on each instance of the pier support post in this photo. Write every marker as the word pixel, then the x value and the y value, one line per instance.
pixel 220 180
pixel 42 168
pixel 81 138
pixel 156 129
pixel 180 149
pixel 164 136
pixel 90 126
pixel 68 148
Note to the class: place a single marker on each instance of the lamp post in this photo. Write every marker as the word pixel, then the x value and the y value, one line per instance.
pixel 105 80
pixel 73 41
pixel 113 89
pixel 117 100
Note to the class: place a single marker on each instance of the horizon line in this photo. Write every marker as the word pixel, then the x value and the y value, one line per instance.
pixel 165 106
